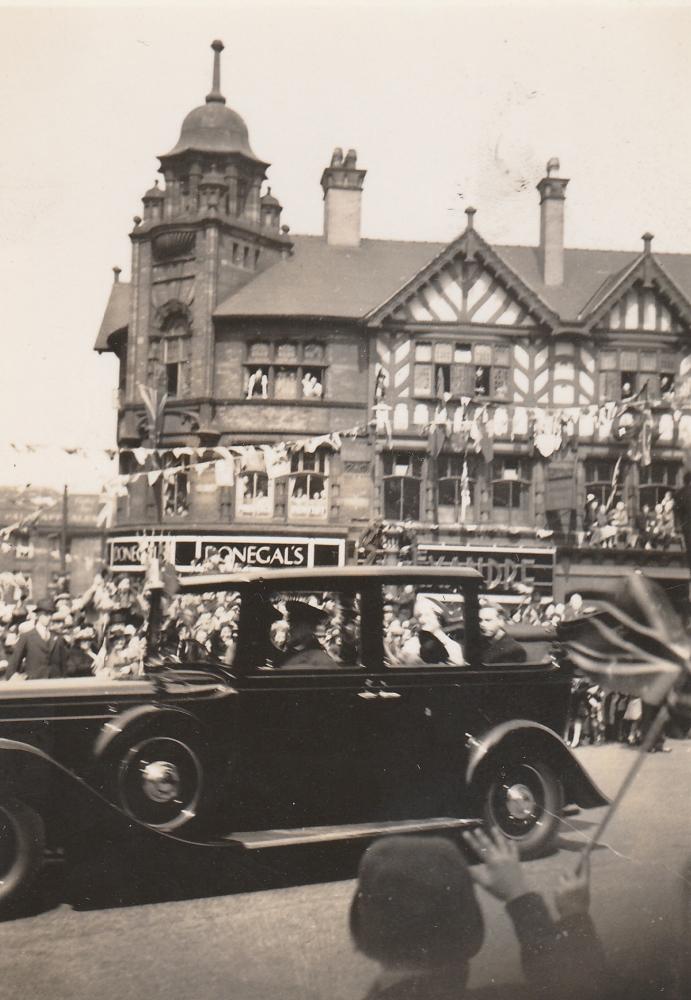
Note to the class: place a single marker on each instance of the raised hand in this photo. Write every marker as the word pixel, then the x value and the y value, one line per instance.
pixel 503 875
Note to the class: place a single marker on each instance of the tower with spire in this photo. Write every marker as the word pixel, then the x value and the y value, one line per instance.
pixel 202 235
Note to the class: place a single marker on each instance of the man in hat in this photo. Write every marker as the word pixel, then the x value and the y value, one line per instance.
pixel 309 637
pixel 38 651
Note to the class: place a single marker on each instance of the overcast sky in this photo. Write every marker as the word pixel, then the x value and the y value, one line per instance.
pixel 448 105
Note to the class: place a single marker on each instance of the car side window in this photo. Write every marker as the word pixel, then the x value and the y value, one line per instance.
pixel 313 630
pixel 423 626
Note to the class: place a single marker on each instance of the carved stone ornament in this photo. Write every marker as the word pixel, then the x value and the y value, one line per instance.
pixel 177 243
pixel 172 314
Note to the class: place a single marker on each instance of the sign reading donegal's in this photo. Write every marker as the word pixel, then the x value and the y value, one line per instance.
pixel 187 552
pixel 501 566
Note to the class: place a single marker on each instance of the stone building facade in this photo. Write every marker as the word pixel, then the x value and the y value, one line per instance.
pixel 496 388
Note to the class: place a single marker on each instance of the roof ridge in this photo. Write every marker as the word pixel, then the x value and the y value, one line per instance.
pixel 375 239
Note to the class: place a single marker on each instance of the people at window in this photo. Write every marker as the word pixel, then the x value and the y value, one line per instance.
pixel 258 384
pixel 311 387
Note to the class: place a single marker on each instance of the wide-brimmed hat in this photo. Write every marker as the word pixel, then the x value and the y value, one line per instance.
pixel 45 606
pixel 415 904
pixel 300 613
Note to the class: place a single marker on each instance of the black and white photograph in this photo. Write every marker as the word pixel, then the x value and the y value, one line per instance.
pixel 345 500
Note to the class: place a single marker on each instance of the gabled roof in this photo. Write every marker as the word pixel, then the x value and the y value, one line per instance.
pixel 116 316
pixel 469 246
pixel 646 268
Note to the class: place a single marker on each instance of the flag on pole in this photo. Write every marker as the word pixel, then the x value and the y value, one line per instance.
pixel 637 646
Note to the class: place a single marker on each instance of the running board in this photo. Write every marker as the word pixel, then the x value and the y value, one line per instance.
pixel 255 840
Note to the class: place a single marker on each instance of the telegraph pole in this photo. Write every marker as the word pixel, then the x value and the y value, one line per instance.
pixel 63 531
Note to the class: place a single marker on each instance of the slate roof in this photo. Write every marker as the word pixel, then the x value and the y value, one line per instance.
pixel 319 280
pixel 116 316
pixel 323 280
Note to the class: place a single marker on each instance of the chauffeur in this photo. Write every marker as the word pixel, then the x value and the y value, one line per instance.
pixel 41 653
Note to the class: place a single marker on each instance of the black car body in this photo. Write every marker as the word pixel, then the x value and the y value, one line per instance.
pixel 328 737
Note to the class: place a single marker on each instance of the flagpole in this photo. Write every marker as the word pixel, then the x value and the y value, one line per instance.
pixel 649 741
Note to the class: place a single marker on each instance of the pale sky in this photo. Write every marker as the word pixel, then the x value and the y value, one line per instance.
pixel 448 105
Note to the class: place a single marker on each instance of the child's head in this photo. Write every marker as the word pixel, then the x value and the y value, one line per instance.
pixel 415 905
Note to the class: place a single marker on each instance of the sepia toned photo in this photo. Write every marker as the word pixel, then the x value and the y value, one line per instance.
pixel 345 501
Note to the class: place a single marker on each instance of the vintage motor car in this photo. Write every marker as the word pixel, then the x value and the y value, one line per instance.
pixel 345 702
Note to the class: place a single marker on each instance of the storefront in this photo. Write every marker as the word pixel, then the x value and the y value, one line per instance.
pixel 186 552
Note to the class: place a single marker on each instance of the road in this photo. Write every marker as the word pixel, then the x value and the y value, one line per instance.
pixel 290 941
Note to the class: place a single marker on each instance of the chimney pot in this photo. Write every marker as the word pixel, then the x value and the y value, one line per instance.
pixel 337 157
pixel 647 242
pixel 470 212
pixel 117 271
pixel 552 196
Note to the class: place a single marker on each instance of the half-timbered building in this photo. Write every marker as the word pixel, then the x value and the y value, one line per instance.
pixel 467 398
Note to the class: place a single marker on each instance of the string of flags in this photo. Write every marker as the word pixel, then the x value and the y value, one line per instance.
pixel 274 460
pixel 470 425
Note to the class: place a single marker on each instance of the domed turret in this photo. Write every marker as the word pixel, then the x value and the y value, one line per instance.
pixel 213 127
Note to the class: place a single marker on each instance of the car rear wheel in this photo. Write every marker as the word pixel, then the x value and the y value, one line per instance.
pixel 156 777
pixel 524 802
pixel 22 843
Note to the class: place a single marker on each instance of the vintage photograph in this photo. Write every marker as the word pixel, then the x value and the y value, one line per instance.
pixel 345 501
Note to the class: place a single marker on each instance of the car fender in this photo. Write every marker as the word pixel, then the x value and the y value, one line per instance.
pixel 80 813
pixel 132 718
pixel 66 802
pixel 511 740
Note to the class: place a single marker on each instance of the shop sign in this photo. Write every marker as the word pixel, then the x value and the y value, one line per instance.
pixel 502 567
pixel 236 551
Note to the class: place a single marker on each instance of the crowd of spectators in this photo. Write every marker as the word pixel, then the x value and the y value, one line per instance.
pixel 610 526
pixel 102 632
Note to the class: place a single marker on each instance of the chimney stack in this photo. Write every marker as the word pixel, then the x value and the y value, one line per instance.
pixel 342 185
pixel 552 196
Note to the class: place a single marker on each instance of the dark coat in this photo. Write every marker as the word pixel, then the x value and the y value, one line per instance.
pixel 505 649
pixel 40 658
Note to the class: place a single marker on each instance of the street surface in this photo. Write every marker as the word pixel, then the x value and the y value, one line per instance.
pixel 290 941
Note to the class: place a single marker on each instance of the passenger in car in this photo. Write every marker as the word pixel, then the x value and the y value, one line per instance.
pixel 308 637
pixel 497 645
pixel 430 644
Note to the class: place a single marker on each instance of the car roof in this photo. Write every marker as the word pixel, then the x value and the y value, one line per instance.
pixel 219 581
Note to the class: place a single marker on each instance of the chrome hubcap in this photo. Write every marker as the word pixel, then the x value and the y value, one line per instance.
pixel 161 781
pixel 520 802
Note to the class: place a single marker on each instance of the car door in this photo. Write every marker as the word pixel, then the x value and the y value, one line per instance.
pixel 300 754
pixel 417 724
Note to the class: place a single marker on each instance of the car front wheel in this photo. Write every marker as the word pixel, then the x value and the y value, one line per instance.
pixel 22 843
pixel 524 802
pixel 156 777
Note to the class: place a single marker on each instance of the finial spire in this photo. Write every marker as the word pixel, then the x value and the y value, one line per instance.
pixel 215 96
